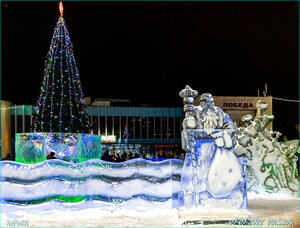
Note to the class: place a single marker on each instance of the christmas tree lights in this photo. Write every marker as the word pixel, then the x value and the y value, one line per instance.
pixel 61 105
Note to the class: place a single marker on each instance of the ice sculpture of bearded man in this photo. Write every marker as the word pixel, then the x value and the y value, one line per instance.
pixel 213 176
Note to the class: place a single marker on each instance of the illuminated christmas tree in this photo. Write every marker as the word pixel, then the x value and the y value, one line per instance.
pixel 61 105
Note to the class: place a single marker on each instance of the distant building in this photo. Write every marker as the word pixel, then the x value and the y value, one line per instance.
pixel 110 102
pixel 135 124
pixel 122 126
pixel 5 141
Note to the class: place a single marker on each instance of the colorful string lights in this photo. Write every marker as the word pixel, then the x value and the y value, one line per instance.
pixel 61 105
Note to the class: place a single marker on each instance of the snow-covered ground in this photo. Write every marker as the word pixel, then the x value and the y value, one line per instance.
pixel 262 212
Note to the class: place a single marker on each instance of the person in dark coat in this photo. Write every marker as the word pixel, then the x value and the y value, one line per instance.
pixel 106 156
pixel 52 155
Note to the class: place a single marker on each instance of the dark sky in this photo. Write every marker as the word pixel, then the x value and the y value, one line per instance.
pixel 148 52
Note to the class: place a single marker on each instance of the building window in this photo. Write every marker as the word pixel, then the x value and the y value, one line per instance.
pixel 124 128
pixel 150 127
pixel 157 133
pixel 178 127
pixel 102 125
pixel 138 127
pixel 27 124
pixel 144 123
pixel 117 127
pixel 170 131
pixel 164 127
pixel 20 124
pixel 131 127
pixel 95 125
pixel 109 125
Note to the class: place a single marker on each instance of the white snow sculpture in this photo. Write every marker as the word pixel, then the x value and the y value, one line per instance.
pixel 212 172
pixel 271 165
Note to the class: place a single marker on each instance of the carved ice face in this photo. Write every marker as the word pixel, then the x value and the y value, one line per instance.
pixel 209 120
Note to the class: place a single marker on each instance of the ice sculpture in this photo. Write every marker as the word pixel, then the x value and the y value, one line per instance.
pixel 74 147
pixel 135 184
pixel 212 175
pixel 271 165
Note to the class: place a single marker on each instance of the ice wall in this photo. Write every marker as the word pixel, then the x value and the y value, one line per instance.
pixel 139 180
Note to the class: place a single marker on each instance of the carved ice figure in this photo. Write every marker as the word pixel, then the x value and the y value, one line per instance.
pixel 224 174
pixel 271 165
pixel 211 166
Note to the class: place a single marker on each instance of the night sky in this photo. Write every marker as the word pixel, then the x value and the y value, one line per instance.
pixel 148 52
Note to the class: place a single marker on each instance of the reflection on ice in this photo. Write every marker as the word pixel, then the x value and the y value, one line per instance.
pixel 93 180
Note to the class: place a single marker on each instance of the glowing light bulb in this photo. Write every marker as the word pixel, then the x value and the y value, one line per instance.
pixel 61 8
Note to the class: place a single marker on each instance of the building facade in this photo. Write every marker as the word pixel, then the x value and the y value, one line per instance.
pixel 137 129
pixel 126 124
pixel 140 130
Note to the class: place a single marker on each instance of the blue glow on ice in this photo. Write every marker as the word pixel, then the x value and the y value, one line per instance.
pixel 136 183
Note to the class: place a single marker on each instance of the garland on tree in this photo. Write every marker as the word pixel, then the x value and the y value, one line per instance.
pixel 61 105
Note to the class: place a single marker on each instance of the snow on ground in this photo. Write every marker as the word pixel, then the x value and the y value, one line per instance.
pixel 262 211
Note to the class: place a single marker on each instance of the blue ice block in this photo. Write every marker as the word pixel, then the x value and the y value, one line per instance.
pixel 34 147
pixel 213 177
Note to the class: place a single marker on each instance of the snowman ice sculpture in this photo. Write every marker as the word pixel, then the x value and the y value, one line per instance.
pixel 212 176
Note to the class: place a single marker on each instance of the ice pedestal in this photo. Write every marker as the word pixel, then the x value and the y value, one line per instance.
pixel 34 147
pixel 213 177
